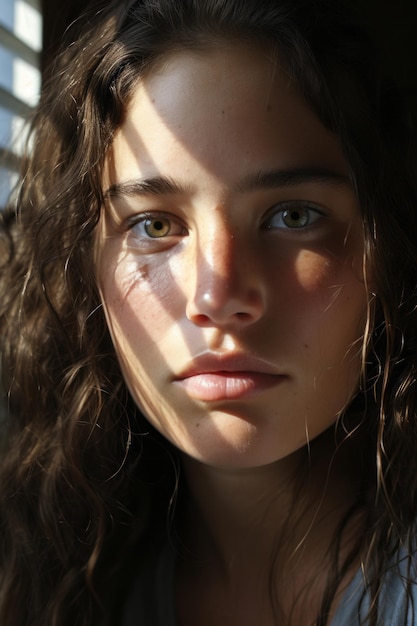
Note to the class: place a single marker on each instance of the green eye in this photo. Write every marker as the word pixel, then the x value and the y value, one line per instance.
pixel 296 217
pixel 157 227
pixel 292 216
pixel 153 226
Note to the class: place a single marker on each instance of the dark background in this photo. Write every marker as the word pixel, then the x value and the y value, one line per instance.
pixel 393 25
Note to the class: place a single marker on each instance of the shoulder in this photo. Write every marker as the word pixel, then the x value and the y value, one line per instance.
pixel 397 605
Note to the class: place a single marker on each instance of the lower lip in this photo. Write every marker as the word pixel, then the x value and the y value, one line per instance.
pixel 217 386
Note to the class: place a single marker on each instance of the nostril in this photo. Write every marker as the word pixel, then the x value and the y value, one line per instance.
pixel 219 317
pixel 243 316
pixel 201 320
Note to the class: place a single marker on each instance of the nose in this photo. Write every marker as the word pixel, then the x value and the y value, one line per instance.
pixel 227 288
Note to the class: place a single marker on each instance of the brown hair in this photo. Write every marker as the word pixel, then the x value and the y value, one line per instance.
pixel 77 476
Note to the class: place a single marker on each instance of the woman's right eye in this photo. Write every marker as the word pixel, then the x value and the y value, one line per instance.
pixel 157 227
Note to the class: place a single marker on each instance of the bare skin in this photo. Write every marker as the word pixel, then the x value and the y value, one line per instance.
pixel 238 523
pixel 229 260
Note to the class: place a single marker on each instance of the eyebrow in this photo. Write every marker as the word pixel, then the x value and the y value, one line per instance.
pixel 272 179
pixel 157 185
pixel 264 179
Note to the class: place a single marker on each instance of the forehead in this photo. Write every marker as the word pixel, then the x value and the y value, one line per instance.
pixel 224 108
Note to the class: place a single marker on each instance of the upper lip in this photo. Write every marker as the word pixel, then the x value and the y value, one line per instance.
pixel 211 362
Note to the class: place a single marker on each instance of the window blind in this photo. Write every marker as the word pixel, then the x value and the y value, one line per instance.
pixel 20 80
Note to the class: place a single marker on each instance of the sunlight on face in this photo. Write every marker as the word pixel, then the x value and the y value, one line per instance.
pixel 230 259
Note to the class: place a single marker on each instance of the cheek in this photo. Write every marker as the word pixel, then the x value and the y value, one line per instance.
pixel 314 287
pixel 136 299
pixel 131 284
pixel 328 304
pixel 312 272
pixel 327 281
pixel 143 304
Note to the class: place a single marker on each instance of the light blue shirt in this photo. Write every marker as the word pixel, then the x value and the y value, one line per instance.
pixel 393 608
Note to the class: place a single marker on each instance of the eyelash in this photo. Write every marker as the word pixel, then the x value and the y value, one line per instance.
pixel 279 211
pixel 297 208
pixel 155 217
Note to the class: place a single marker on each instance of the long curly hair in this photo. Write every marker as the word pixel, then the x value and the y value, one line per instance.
pixel 83 478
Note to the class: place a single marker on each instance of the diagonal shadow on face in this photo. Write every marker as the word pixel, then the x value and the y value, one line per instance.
pixel 230 285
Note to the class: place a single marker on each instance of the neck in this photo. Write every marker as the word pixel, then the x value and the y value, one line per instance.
pixel 236 509
pixel 241 521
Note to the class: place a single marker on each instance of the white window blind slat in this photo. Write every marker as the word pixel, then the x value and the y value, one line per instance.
pixel 20 81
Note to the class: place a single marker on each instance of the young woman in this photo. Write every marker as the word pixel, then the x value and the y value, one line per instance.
pixel 209 328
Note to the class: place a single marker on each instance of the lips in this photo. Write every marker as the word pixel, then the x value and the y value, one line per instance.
pixel 215 377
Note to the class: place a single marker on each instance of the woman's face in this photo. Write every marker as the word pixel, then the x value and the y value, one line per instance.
pixel 230 259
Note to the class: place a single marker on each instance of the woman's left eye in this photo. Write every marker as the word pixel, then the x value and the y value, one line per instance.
pixel 292 216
